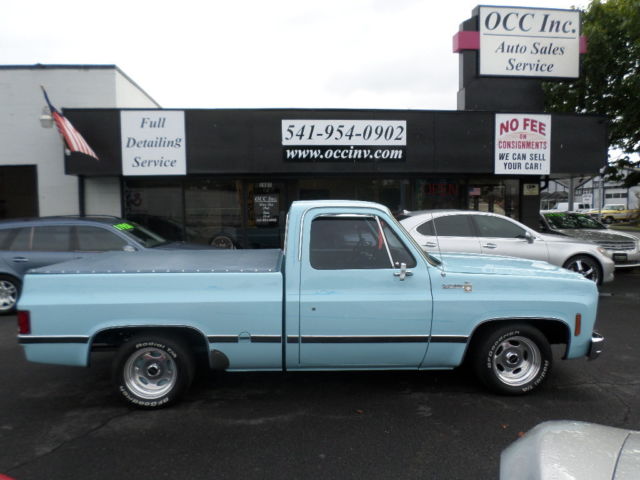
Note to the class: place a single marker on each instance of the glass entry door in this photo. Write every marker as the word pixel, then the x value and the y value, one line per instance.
pixel 266 212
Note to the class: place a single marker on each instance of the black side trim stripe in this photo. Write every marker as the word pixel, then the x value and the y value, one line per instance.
pixel 278 339
pixel 253 338
pixel 449 339
pixel 30 340
pixel 380 339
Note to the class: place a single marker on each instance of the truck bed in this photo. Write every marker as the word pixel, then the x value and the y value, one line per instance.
pixel 230 297
pixel 178 261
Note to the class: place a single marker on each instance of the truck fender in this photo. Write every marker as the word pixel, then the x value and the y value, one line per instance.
pixel 111 338
pixel 556 330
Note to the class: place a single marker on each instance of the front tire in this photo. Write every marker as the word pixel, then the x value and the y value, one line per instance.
pixel 153 371
pixel 586 266
pixel 512 359
pixel 9 293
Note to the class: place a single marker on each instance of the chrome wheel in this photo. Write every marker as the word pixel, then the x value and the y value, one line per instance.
pixel 150 373
pixel 585 266
pixel 8 295
pixel 516 361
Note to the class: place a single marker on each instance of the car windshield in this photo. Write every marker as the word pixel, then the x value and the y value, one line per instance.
pixel 146 237
pixel 573 221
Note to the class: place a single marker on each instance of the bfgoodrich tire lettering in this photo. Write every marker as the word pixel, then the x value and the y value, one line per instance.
pixel 512 359
pixel 152 371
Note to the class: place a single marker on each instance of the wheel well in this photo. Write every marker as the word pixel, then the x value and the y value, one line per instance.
pixel 555 331
pixel 112 338
pixel 13 278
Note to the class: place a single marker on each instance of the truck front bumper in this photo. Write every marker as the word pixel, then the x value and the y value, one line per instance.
pixel 595 349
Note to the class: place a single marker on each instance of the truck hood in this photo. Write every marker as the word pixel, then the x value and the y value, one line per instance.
pixel 495 264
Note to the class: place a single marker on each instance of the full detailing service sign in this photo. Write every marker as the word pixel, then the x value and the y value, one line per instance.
pixel 523 144
pixel 153 142
pixel 529 42
pixel 344 140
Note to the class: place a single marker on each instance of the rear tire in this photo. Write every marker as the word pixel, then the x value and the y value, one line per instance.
pixel 512 359
pixel 153 371
pixel 10 288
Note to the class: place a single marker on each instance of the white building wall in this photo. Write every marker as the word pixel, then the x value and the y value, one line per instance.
pixel 128 94
pixel 25 142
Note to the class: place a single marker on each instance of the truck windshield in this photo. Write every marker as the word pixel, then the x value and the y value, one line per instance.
pixel 140 234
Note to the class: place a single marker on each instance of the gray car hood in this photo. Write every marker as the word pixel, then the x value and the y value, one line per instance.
pixel 573 450
pixel 593 235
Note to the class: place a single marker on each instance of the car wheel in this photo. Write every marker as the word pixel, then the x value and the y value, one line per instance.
pixel 512 359
pixel 223 241
pixel 608 220
pixel 587 266
pixel 9 293
pixel 152 371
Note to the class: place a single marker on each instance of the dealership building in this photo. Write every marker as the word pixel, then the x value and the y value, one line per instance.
pixel 228 176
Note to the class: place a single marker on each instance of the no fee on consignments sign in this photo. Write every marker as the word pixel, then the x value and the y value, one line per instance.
pixel 523 144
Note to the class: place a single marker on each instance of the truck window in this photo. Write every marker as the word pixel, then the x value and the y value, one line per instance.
pixel 399 252
pixel 339 243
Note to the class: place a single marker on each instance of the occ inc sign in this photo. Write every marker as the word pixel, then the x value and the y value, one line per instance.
pixel 529 42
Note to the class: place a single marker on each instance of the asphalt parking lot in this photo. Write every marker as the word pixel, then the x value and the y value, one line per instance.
pixel 65 423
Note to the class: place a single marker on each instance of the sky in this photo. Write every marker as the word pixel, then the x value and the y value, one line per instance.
pixel 387 54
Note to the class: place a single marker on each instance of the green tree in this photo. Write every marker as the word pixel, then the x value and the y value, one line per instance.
pixel 609 83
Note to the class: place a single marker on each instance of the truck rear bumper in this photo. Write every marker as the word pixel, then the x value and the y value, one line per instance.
pixel 597 343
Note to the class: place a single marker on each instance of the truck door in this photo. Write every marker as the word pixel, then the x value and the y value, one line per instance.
pixel 365 298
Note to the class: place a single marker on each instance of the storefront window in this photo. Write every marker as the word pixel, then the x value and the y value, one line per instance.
pixel 213 212
pixel 389 192
pixel 494 195
pixel 439 193
pixel 156 204
pixel 483 194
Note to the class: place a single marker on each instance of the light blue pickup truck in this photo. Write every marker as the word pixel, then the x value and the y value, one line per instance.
pixel 350 291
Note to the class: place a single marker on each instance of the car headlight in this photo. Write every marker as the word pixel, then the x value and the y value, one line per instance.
pixel 605 252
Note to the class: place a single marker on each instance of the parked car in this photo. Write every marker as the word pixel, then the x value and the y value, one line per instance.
pixel 615 212
pixel 577 207
pixel 577 450
pixel 37 242
pixel 623 247
pixel 489 233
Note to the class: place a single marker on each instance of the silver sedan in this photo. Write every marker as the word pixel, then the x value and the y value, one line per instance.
pixel 489 233
pixel 565 449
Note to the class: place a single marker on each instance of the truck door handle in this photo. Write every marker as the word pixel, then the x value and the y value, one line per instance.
pixel 403 273
pixel 490 245
pixel 20 259
pixel 431 244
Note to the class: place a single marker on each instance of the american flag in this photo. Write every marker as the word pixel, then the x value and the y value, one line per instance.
pixel 74 141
